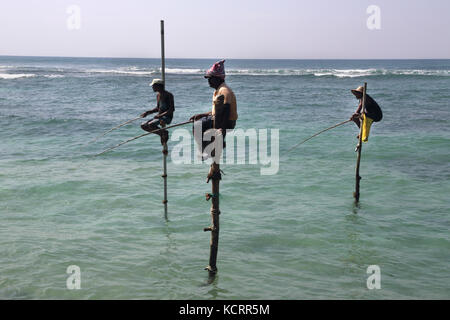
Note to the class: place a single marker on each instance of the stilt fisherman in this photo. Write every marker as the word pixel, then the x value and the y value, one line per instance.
pixel 371 114
pixel 224 97
pixel 165 108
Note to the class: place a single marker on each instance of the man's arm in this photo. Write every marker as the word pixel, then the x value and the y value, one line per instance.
pixel 156 109
pixel 358 111
pixel 159 115
pixel 146 113
pixel 355 116
pixel 200 115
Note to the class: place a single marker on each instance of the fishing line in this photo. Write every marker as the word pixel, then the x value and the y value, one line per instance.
pixel 140 136
pixel 132 139
pixel 112 129
pixel 316 134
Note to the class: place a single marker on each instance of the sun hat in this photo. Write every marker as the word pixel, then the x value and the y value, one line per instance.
pixel 217 70
pixel 157 81
pixel 360 89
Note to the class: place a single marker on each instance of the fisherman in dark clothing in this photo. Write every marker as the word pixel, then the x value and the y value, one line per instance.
pixel 372 112
pixel 165 107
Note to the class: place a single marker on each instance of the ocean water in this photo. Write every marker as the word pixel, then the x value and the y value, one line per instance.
pixel 293 235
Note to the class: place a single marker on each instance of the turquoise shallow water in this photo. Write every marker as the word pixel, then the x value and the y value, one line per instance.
pixel 293 235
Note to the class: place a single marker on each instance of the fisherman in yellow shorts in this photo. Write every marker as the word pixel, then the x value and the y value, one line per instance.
pixel 372 112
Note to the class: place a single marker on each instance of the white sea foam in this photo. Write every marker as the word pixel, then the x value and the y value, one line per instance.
pixel 183 71
pixel 420 72
pixel 121 71
pixel 318 72
pixel 339 73
pixel 9 76
pixel 53 76
pixel 144 72
pixel 344 73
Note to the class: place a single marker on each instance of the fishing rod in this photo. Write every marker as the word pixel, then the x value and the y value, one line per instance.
pixel 140 136
pixel 314 135
pixel 112 129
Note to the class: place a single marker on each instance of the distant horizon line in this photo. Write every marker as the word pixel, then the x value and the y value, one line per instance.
pixel 96 57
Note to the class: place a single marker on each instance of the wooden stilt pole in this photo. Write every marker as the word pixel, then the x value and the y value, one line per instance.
pixel 356 194
pixel 165 148
pixel 165 152
pixel 214 228
pixel 163 56
pixel 215 175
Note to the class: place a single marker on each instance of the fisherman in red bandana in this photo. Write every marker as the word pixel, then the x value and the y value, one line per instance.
pixel 222 94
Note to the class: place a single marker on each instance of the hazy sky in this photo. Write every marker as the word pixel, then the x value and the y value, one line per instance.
pixel 232 29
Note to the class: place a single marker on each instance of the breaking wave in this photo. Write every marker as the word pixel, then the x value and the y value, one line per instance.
pixel 7 72
pixel 339 73
pixel 11 76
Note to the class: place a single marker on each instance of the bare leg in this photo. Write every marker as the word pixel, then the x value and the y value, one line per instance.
pixel 164 134
pixel 149 126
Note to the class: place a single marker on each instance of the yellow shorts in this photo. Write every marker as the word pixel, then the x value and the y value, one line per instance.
pixel 367 123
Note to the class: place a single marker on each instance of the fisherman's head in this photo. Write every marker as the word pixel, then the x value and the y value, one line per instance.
pixel 358 92
pixel 214 82
pixel 216 74
pixel 157 85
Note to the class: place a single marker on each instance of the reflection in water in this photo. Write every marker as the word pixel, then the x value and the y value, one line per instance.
pixel 353 259
pixel 356 207
pixel 353 238
pixel 170 243
pixel 211 277
pixel 166 216
pixel 213 282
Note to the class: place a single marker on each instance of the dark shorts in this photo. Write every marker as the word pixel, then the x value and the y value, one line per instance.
pixel 207 123
pixel 157 122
